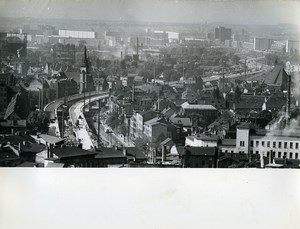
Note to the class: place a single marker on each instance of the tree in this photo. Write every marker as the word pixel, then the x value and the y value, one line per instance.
pixel 197 121
pixel 37 121
pixel 113 120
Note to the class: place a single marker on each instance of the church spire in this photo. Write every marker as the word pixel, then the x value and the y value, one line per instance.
pixel 86 61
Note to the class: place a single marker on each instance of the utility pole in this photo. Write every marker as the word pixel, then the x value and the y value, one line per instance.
pixel 245 66
pixel 84 96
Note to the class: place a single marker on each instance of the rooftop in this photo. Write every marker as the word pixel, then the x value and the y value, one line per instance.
pixel 204 137
pixel 188 106
pixel 201 151
pixel 50 139
pixel 71 152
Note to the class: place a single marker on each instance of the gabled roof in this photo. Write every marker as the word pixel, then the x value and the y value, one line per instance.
pixel 71 152
pixel 50 139
pixel 276 77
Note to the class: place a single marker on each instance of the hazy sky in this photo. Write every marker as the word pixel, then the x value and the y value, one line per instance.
pixel 234 11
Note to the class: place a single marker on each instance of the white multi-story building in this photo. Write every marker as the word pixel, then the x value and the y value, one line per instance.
pixel 280 145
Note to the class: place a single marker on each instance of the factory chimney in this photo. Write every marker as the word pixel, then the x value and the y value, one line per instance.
pixel 288 101
pixel 133 92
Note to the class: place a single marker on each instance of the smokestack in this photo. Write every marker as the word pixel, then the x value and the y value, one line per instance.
pixel 163 154
pixel 137 46
pixel 154 153
pixel 288 100
pixel 133 91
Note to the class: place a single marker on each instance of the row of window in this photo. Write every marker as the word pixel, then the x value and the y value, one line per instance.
pixel 280 155
pixel 292 145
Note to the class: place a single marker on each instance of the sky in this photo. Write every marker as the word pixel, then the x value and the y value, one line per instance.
pixel 190 11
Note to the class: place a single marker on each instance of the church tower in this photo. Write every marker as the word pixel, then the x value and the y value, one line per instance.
pixel 85 77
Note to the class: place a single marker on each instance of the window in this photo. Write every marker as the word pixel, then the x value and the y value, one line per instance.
pixel 231 151
pixel 256 152
pixel 251 143
pixel 291 155
pixel 291 145
pixel 296 155
pixel 279 154
pixel 268 154
pixel 273 154
pixel 242 143
pixel 279 144
pixel 297 145
pixel 268 144
pixel 285 145
pixel 274 144
pixel 263 144
pixel 257 143
pixel 284 154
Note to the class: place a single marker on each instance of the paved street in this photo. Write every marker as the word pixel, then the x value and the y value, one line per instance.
pixel 82 131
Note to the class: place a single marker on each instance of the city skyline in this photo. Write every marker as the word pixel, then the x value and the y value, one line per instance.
pixel 188 11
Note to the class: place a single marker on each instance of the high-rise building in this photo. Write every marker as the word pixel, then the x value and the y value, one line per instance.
pixel 263 44
pixel 292 46
pixel 222 33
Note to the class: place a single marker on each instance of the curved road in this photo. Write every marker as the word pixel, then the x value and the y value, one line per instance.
pixel 52 107
pixel 82 133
